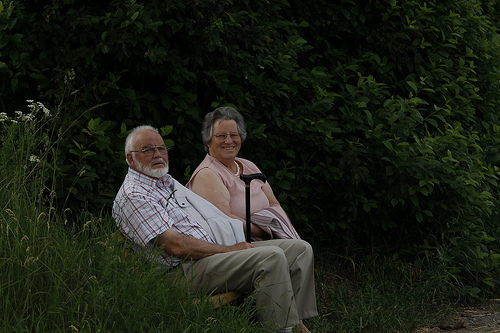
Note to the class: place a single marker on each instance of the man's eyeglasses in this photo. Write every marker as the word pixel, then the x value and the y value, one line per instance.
pixel 222 137
pixel 149 151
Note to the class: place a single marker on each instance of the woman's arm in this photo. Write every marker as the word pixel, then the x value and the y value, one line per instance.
pixel 209 186
pixel 268 191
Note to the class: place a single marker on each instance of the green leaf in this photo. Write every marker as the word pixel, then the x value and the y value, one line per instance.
pixel 415 201
pixel 166 130
pixel 419 216
pixel 123 128
pixel 351 89
pixel 413 86
pixel 169 143
pixel 130 94
pixel 388 145
pixel 38 76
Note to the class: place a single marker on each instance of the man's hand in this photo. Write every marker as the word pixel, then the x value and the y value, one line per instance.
pixel 241 246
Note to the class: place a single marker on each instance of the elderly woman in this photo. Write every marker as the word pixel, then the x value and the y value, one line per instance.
pixel 217 178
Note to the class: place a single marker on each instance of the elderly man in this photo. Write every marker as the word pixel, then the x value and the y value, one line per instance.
pixel 155 211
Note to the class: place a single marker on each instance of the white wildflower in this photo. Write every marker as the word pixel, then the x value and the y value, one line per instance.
pixel 70 75
pixel 28 117
pixel 35 107
pixel 46 111
pixel 34 159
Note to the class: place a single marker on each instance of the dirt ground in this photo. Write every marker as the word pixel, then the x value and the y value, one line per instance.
pixel 481 319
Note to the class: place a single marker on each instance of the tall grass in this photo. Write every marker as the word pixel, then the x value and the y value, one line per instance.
pixel 56 279
pixel 377 294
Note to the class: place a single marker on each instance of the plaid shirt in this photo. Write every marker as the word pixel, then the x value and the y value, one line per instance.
pixel 144 208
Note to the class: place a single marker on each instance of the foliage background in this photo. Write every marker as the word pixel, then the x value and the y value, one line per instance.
pixel 376 121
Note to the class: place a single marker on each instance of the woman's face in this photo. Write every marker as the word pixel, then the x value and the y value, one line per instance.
pixel 226 141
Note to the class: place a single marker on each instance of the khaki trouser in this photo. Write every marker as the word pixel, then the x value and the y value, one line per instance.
pixel 278 273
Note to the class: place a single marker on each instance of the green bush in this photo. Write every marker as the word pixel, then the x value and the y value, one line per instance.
pixel 381 116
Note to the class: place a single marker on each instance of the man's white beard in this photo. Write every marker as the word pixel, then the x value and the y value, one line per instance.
pixel 155 173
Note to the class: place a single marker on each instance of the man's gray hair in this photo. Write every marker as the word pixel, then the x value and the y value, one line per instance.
pixel 222 113
pixel 129 141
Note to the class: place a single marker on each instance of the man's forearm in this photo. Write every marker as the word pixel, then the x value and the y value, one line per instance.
pixel 182 246
pixel 192 248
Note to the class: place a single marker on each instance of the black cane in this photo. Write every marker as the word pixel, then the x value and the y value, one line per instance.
pixel 247 179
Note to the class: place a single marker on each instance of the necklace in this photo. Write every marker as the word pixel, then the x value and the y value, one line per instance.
pixel 237 169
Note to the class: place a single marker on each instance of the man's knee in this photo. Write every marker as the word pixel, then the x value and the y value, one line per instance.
pixel 304 245
pixel 271 258
pixel 271 251
pixel 297 247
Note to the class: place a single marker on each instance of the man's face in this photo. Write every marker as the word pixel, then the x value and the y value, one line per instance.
pixel 156 165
